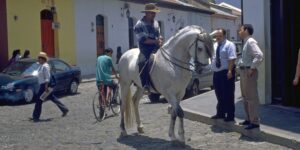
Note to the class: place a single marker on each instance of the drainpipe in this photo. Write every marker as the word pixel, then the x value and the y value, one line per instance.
pixel 242 8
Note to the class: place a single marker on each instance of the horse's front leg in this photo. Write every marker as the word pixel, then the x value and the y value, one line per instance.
pixel 172 124
pixel 180 114
pixel 172 101
pixel 181 125
pixel 176 111
pixel 136 100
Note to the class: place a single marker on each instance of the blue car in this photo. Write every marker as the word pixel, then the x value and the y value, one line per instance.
pixel 19 82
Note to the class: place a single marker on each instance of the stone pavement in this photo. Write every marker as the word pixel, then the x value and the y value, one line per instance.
pixel 79 130
pixel 279 125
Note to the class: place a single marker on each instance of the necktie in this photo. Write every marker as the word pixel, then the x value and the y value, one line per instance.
pixel 218 60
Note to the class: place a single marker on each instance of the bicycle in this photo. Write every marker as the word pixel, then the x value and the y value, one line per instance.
pixel 104 99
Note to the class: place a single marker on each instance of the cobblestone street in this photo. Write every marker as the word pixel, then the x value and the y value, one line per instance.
pixel 79 129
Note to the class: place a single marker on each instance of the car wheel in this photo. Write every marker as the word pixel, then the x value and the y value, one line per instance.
pixel 154 98
pixel 28 95
pixel 195 88
pixel 73 87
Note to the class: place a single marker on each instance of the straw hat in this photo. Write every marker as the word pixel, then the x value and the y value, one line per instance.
pixel 151 7
pixel 43 55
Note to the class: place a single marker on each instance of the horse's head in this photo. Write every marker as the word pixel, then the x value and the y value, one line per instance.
pixel 190 42
pixel 201 48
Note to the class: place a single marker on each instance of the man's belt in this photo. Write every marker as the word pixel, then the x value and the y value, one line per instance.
pixel 244 67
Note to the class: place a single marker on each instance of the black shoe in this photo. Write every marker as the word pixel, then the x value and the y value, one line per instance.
pixel 64 114
pixel 252 126
pixel 217 117
pixel 246 122
pixel 229 119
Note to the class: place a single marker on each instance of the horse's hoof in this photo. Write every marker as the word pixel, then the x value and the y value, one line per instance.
pixel 178 143
pixel 140 130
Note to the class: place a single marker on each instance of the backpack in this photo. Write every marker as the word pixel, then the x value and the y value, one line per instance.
pixel 52 82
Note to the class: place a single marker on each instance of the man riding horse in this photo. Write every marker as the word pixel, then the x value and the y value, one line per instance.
pixel 148 34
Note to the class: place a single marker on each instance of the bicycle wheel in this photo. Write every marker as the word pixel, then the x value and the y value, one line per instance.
pixel 115 102
pixel 99 111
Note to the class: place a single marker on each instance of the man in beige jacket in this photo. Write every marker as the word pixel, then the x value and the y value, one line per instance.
pixel 252 57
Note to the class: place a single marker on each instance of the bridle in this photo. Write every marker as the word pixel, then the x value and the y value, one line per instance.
pixel 197 65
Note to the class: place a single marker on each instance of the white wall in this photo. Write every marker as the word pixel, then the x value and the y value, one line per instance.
pixel 260 19
pixel 116 27
pixel 227 24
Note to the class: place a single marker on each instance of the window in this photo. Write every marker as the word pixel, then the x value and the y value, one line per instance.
pixel 228 34
pixel 59 66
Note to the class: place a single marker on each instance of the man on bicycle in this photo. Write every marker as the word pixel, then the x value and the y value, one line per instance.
pixel 105 70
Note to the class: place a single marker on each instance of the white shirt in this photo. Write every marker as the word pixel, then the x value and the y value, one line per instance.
pixel 44 73
pixel 227 52
pixel 252 56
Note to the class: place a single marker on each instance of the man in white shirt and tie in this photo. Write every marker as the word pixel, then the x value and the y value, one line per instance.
pixel 224 76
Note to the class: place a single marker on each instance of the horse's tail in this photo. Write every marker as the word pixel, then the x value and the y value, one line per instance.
pixel 129 111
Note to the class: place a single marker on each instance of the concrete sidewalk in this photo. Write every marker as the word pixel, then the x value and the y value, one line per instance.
pixel 279 125
pixel 88 78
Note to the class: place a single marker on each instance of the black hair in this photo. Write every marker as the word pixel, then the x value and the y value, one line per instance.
pixel 16 52
pixel 223 31
pixel 249 28
pixel 108 50
pixel 26 53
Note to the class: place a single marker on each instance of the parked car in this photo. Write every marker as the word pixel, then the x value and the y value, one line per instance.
pixel 19 82
pixel 199 81
pixel 239 48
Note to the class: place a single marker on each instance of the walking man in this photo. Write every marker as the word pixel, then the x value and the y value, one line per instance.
pixel 252 57
pixel 44 81
pixel 148 35
pixel 224 76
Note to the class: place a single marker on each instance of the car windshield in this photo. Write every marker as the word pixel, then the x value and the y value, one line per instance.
pixel 32 70
pixel 17 68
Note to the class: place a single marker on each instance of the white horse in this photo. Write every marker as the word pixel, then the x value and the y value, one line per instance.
pixel 170 75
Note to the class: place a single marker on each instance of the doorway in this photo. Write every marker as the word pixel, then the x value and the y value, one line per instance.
pixel 100 36
pixel 47 33
pixel 285 47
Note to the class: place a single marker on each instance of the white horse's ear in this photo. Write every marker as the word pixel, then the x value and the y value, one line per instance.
pixel 212 34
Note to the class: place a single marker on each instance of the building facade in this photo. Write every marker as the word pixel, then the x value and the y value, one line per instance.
pixel 100 24
pixel 38 25
pixel 225 18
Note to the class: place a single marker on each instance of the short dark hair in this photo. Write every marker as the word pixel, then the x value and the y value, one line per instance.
pixel 223 31
pixel 249 28
pixel 108 50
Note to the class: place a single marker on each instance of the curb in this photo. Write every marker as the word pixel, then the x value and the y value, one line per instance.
pixel 88 80
pixel 265 134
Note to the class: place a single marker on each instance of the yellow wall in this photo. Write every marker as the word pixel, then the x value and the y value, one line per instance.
pixel 25 31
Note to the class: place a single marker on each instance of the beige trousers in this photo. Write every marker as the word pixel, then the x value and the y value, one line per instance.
pixel 250 95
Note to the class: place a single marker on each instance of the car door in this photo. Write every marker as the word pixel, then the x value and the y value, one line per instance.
pixel 62 74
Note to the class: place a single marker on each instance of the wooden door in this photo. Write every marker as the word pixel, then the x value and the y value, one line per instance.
pixel 100 34
pixel 47 33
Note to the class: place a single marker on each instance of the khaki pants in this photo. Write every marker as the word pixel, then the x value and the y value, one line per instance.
pixel 250 95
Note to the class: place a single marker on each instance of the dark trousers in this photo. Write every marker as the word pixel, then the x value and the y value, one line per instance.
pixel 224 89
pixel 143 67
pixel 38 105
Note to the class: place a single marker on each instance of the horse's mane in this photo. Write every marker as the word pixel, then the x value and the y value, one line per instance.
pixel 182 31
pixel 204 36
